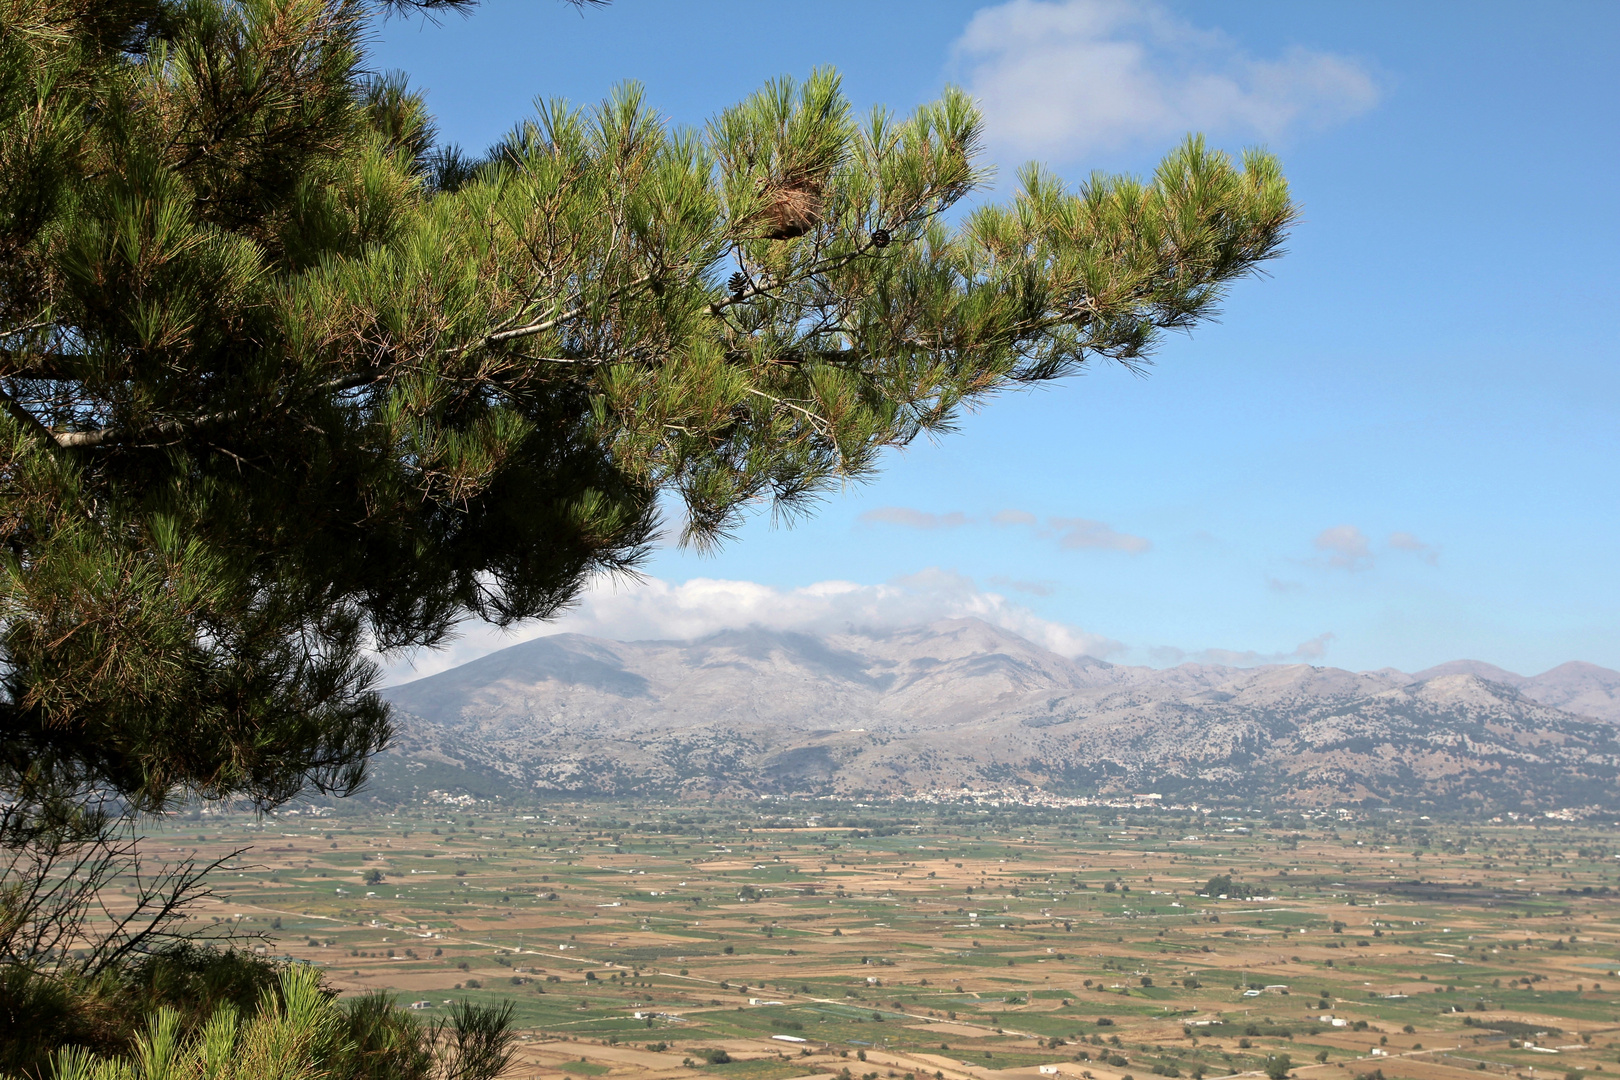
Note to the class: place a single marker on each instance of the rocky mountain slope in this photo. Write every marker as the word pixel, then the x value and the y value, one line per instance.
pixel 1579 688
pixel 962 702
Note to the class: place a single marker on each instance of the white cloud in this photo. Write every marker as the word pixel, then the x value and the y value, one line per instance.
pixel 1061 78
pixel 1306 651
pixel 908 518
pixel 1313 649
pixel 1082 533
pixel 1074 534
pixel 1077 534
pixel 656 609
pixel 1346 547
pixel 1405 541
pixel 1034 588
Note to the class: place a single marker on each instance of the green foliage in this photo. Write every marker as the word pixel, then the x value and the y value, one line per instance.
pixel 293 1034
pixel 199 1012
pixel 382 1042
pixel 41 1011
pixel 196 981
pixel 38 1014
pixel 282 380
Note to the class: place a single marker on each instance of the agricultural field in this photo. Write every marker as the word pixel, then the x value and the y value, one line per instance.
pixel 767 941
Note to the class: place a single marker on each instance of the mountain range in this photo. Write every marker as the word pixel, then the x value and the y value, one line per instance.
pixel 961 703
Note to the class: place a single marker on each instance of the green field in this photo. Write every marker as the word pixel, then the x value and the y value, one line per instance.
pixel 958 941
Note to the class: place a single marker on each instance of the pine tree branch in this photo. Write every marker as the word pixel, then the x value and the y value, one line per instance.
pixel 715 308
pixel 586 361
pixel 557 320
pixel 76 440
pixel 820 423
pixel 29 329
pixel 172 429
pixel 159 904
pixel 26 418
pixel 752 290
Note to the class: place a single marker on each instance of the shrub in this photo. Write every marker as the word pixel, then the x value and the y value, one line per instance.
pixel 39 1012
pixel 297 1029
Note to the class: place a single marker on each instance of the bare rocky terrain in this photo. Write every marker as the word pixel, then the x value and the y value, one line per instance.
pixel 962 702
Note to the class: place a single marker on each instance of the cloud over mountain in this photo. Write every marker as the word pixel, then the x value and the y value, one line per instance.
pixel 654 609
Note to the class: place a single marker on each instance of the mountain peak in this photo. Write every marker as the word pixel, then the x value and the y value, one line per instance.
pixel 1489 672
pixel 1578 687
pixel 1579 669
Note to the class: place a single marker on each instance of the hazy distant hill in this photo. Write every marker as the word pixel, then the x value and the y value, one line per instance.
pixel 962 702
pixel 1582 689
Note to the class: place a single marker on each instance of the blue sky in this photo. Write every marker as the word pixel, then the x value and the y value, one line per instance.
pixel 1401 448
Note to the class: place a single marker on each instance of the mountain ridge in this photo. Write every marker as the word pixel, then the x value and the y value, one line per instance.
pixel 964 702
